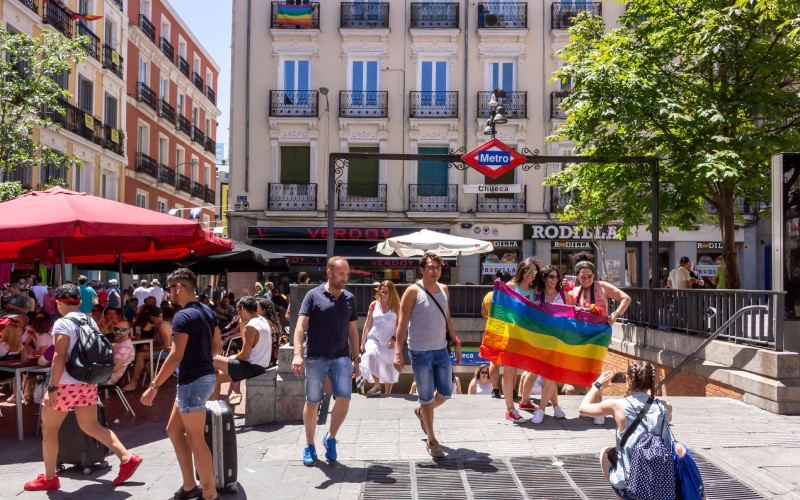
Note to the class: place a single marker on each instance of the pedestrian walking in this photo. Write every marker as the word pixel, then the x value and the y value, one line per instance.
pixel 425 317
pixel 326 344
pixel 195 340
pixel 377 341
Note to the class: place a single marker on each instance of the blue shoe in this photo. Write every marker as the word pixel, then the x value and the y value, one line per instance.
pixel 330 448
pixel 310 456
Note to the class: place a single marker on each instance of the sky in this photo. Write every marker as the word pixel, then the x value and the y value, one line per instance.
pixel 210 21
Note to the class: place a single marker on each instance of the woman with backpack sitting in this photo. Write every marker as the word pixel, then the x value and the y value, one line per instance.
pixel 641 464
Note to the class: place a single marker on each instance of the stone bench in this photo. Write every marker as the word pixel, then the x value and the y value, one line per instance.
pixel 277 395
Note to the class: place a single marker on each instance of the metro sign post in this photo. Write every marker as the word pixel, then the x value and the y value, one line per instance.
pixel 493 158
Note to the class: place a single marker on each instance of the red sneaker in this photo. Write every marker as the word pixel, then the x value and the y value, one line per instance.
pixel 127 469
pixel 528 406
pixel 41 483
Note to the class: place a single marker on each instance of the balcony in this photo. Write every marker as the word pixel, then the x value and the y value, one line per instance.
pixel 363 104
pixel 559 198
pixel 433 198
pixel 515 104
pixel 499 15
pixel 147 96
pixel 197 80
pixel 210 146
pixel 114 139
pixel 31 4
pixel 183 66
pixel 77 121
pixel 362 197
pixel 209 196
pixel 555 104
pixel 166 174
pixel 212 96
pixel 93 47
pixel 361 15
pixel 146 165
pixel 198 135
pixel 167 49
pixel 23 175
pixel 562 13
pixel 502 203
pixel 112 60
pixel 165 110
pixel 184 125
pixel 58 17
pixel 147 28
pixel 183 183
pixel 433 103
pixel 304 16
pixel 292 196
pixel 198 190
pixel 430 15
pixel 293 103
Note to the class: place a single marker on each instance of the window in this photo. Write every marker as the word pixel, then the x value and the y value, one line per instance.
pixel 51 172
pixel 143 139
pixel 22 66
pixel 296 75
pixel 110 116
pixel 103 185
pixel 195 169
pixel 196 64
pixel 144 72
pixel 364 79
pixel 163 88
pixel 195 115
pixel 161 205
pixel 295 164
pixel 433 81
pixel 208 127
pixel 146 8
pixel 85 94
pixel 77 184
pixel 206 221
pixel 179 103
pixel 62 79
pixel 363 175
pixel 165 29
pixel 141 199
pixel 432 175
pixel 111 33
pixel 163 150
pixel 501 76
pixel 209 79
pixel 180 158
pixel 181 47
pixel 86 6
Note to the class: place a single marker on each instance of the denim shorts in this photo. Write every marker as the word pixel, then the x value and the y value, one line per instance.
pixel 432 370
pixel 339 370
pixel 192 397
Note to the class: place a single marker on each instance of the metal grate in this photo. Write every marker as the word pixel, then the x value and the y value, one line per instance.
pixel 561 477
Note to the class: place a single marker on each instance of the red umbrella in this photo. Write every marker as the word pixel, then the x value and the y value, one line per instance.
pixel 59 225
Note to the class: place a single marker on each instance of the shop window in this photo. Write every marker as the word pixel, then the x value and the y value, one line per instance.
pixel 432 176
pixel 503 258
pixel 295 164
pixel 562 251
pixel 363 175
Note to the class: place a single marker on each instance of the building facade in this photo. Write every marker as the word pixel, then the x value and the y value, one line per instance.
pixel 414 77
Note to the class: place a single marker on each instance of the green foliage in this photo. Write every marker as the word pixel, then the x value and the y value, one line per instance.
pixel 10 190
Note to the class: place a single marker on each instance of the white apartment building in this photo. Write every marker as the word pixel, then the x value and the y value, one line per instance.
pixel 402 76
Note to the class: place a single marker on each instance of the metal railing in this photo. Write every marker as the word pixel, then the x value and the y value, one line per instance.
pixel 364 15
pixel 146 95
pixel 509 15
pixel 167 49
pixel 562 13
pixel 77 121
pixel 198 135
pixel 559 198
pixel 209 195
pixel 212 96
pixel 31 4
pixel 198 81
pixel 210 145
pixel 281 22
pixel 166 174
pixel 503 203
pixel 114 139
pixel 112 60
pixel 293 103
pixel 433 198
pixel 363 103
pixel 183 183
pixel 147 27
pixel 58 17
pixel 292 196
pixel 165 110
pixel 23 175
pixel 515 104
pixel 431 15
pixel 147 165
pixel 433 103
pixel 93 48
pixel 183 66
pixel 361 197
pixel 198 190
pixel 555 104
pixel 184 125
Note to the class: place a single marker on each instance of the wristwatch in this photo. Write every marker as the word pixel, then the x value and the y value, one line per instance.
pixel 52 388
pixel 154 386
pixel 599 386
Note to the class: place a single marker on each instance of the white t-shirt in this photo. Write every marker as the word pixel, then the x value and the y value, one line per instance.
pixel 261 353
pixel 678 277
pixel 40 291
pixel 141 293
pixel 44 340
pixel 65 326
pixel 158 293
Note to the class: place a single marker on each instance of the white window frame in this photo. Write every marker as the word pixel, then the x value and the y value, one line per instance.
pixel 163 153
pixel 142 196
pixel 161 205
pixel 143 138
pixel 144 67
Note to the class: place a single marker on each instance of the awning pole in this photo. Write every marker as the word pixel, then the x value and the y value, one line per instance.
pixel 63 270
pixel 119 264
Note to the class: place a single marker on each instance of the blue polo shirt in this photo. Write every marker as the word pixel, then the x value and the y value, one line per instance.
pixel 328 323
pixel 197 321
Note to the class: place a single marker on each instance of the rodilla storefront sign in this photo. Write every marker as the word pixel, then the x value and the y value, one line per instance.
pixel 493 158
pixel 567 232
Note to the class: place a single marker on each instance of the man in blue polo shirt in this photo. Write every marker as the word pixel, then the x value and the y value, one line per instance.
pixel 327 323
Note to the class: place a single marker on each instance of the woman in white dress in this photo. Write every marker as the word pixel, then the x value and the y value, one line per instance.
pixel 480 383
pixel 377 340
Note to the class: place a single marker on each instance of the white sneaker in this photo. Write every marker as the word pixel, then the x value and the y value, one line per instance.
pixel 600 421
pixel 537 417
pixel 558 412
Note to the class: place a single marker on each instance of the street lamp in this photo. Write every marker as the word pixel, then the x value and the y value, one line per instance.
pixel 497 113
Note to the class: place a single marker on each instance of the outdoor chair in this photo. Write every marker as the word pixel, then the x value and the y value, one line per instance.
pixel 118 390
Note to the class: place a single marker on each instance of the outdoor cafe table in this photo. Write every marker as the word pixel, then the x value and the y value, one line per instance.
pixel 147 341
pixel 18 367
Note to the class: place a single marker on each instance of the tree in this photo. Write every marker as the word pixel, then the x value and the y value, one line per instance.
pixel 30 95
pixel 709 86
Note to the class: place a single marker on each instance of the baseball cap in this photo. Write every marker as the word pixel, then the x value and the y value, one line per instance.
pixel 113 282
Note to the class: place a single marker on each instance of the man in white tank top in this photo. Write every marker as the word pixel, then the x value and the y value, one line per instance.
pixel 425 314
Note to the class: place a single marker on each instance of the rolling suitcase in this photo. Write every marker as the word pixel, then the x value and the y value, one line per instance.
pixel 79 450
pixel 220 435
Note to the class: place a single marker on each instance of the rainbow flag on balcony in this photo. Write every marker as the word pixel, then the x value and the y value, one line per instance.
pixel 552 340
pixel 294 15
pixel 86 17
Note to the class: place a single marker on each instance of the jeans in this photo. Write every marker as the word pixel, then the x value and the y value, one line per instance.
pixel 192 397
pixel 339 370
pixel 432 370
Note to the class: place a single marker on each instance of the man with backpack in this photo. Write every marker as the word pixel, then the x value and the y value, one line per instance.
pixel 81 358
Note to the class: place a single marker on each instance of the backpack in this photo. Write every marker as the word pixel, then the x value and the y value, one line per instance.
pixel 92 357
pixel 652 469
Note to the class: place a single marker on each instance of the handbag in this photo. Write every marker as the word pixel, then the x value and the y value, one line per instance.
pixel 446 326
pixel 688 481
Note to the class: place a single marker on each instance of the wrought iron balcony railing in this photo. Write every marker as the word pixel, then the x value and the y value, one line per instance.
pixel 515 104
pixel 167 49
pixel 198 190
pixel 555 104
pixel 356 197
pixel 307 19
pixel 209 196
pixel 23 175
pixel 508 15
pixel 364 15
pixel 184 125
pixel 433 104
pixel 147 96
pixel 165 110
pixel 502 203
pixel 147 27
pixel 293 102
pixel 31 4
pixel 197 80
pixel 212 96
pixel 166 174
pixel 93 48
pixel 559 198
pixel 183 66
pixel 114 139
pixel 146 165
pixel 58 17
pixel 210 145
pixel 112 60
pixel 433 198
pixel 562 13
pixel 198 135
pixel 183 183
pixel 292 196
pixel 363 104
pixel 77 121
pixel 433 15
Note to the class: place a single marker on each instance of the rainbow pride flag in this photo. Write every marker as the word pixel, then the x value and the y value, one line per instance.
pixel 552 340
pixel 294 15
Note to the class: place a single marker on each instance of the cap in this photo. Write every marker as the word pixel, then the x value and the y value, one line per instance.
pixel 143 282
pixel 113 282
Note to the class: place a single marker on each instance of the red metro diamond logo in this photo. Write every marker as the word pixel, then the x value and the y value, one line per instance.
pixel 493 159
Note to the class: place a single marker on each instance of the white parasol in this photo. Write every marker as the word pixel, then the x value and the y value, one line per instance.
pixel 445 245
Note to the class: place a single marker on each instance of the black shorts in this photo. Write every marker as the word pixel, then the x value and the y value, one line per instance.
pixel 240 370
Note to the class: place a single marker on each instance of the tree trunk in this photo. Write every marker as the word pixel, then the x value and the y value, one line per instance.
pixel 726 226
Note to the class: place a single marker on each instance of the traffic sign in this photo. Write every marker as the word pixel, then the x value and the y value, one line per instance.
pixel 493 158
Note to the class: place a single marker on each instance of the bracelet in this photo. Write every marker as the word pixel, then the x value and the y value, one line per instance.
pixel 457 342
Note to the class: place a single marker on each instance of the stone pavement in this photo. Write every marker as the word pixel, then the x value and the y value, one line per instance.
pixel 752 445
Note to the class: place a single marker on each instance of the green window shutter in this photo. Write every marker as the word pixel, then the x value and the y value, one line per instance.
pixel 432 175
pixel 363 175
pixel 295 164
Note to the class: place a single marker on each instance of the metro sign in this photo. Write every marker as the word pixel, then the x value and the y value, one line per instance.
pixel 493 158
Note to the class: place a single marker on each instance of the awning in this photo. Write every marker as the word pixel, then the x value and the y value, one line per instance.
pixel 360 253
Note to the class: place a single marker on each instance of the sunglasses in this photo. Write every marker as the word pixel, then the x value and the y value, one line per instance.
pixel 585 276
pixel 552 276
pixel 433 268
pixel 120 329
pixel 532 272
pixel 383 292
pixel 484 373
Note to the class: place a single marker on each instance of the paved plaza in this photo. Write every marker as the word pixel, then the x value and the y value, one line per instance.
pixel 382 455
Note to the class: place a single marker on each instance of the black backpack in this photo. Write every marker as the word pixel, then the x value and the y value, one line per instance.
pixel 92 357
